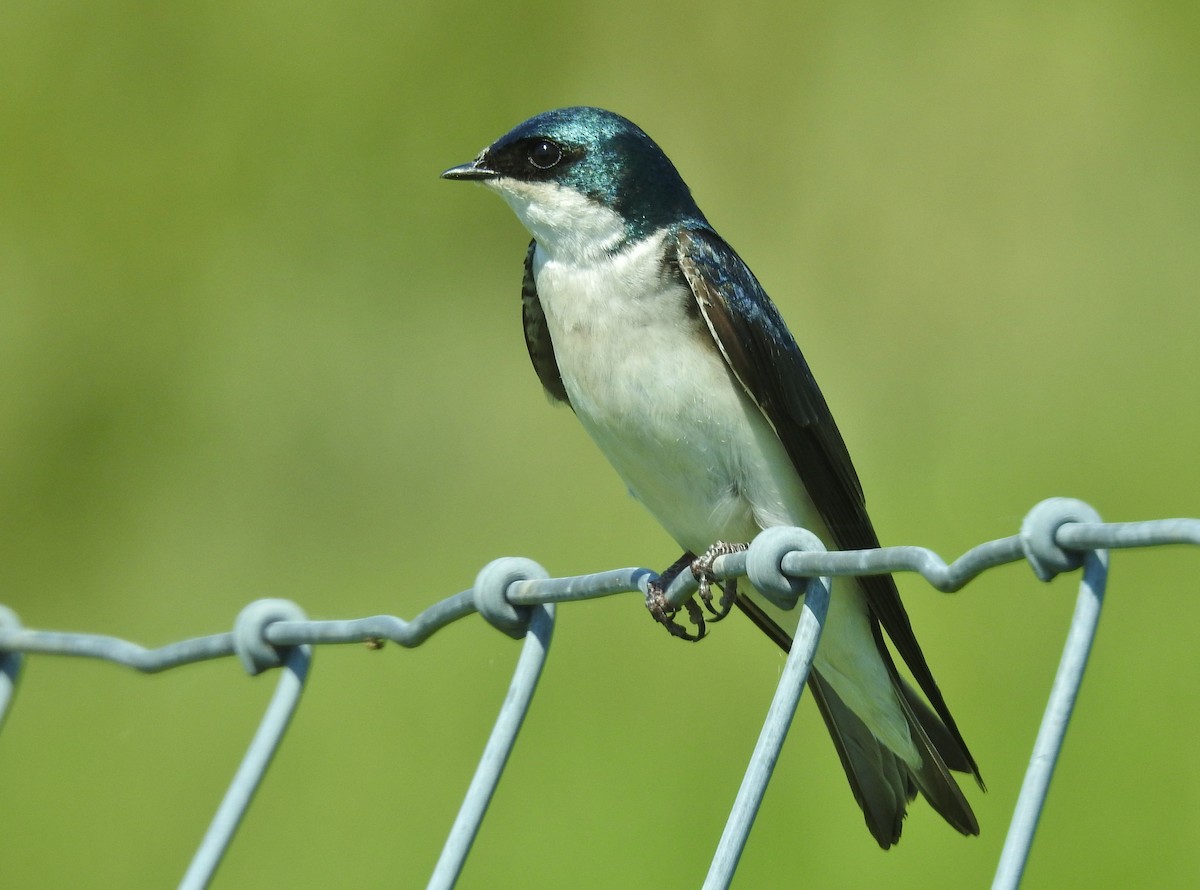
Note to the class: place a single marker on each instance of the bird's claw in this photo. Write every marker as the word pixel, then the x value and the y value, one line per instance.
pixel 702 568
pixel 664 613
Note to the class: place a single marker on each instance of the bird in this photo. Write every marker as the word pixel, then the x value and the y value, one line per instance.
pixel 652 329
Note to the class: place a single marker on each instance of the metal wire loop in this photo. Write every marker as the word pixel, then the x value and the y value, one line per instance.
pixel 491 593
pixel 249 640
pixel 10 663
pixel 764 563
pixel 1039 532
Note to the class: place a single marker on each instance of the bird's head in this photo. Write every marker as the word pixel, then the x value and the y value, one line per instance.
pixel 583 180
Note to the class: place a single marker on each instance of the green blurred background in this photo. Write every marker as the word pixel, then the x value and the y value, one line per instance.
pixel 251 345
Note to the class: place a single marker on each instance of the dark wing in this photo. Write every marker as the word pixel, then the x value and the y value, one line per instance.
pixel 766 360
pixel 537 335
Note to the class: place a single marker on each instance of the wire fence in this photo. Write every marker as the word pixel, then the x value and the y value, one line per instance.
pixel 517 596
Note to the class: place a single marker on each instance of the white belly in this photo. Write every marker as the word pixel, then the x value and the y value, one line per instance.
pixel 650 387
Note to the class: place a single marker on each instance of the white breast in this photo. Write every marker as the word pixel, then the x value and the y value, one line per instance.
pixel 649 385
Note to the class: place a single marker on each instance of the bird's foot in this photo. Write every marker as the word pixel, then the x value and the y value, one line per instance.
pixel 702 568
pixel 664 613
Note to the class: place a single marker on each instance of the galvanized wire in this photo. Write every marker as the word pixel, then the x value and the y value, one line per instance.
pixel 10 663
pixel 514 595
pixel 495 754
pixel 1053 729
pixel 295 662
pixel 765 572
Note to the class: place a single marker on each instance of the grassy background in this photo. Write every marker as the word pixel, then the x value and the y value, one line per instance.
pixel 250 345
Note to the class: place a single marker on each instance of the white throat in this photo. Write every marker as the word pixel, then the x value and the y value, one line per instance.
pixel 566 224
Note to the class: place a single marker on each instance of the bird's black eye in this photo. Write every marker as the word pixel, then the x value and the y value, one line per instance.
pixel 544 154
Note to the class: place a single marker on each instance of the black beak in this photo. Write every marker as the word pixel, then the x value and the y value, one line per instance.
pixel 475 171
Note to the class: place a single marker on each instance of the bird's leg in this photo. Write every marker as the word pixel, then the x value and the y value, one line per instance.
pixel 702 568
pixel 664 613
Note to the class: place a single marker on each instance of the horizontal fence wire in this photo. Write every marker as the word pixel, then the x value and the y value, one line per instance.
pixel 516 596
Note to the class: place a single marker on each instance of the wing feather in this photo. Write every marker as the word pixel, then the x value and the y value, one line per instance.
pixel 537 334
pixel 765 359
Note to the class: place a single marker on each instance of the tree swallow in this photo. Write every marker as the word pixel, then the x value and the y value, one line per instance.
pixel 650 327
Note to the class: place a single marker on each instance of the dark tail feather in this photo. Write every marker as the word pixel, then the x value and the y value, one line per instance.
pixel 883 783
pixel 937 722
pixel 879 779
pixel 933 777
pixel 947 746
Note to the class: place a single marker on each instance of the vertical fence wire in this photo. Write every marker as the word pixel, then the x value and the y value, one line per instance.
pixel 10 665
pixel 1053 729
pixel 251 771
pixel 496 752
pixel 770 740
